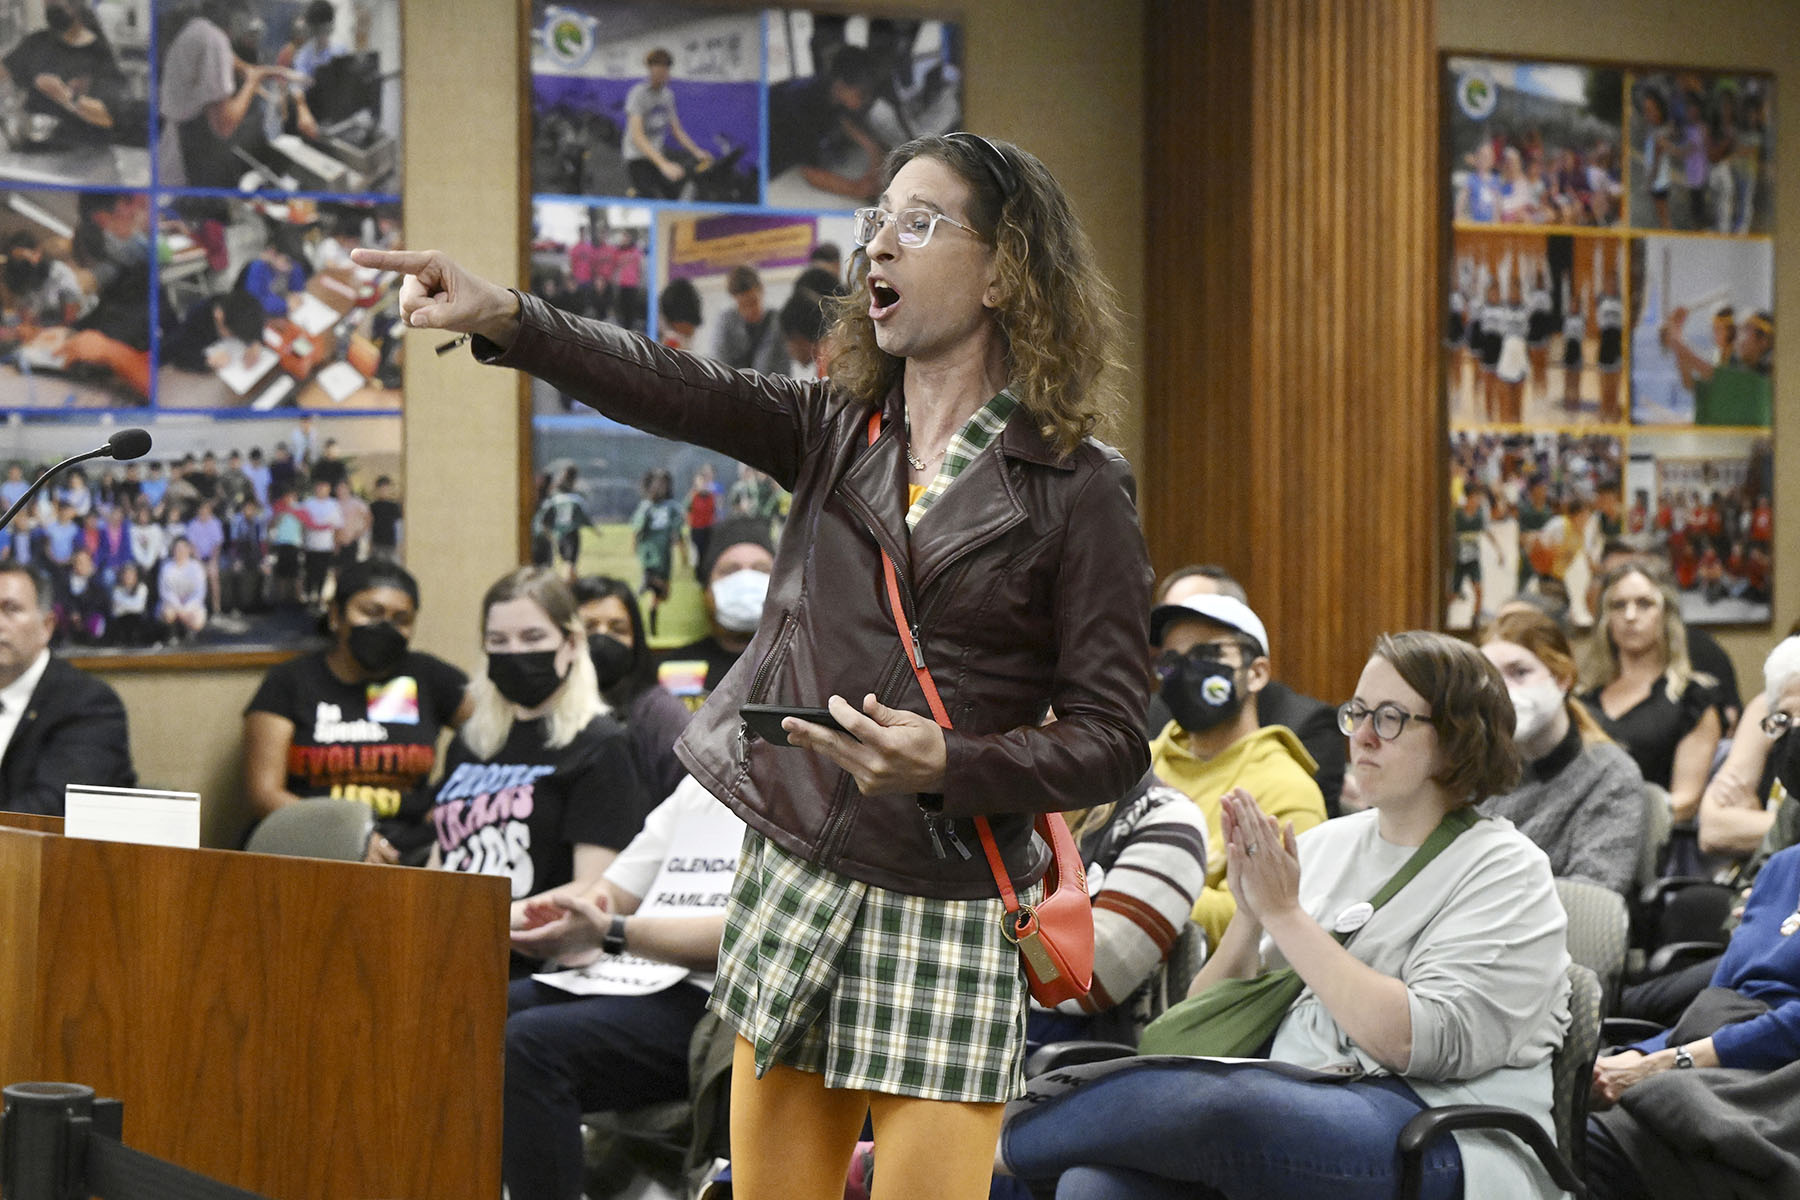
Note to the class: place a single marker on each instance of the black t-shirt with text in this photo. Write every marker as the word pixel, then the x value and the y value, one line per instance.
pixel 375 742
pixel 521 813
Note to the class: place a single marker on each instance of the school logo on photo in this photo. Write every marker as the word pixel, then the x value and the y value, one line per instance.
pixel 568 36
pixel 1477 94
pixel 395 702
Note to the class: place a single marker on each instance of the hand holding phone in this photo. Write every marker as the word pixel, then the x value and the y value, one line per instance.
pixel 765 720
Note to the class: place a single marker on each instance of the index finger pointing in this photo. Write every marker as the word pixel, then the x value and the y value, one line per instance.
pixel 407 262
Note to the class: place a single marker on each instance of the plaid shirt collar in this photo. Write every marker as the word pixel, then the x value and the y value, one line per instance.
pixel 974 437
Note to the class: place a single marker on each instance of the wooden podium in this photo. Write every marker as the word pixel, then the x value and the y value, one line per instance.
pixel 295 1027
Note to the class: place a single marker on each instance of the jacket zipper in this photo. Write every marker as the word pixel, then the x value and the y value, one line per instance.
pixel 757 681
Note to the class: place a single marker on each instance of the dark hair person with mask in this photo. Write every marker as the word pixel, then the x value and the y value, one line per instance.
pixel 626 672
pixel 71 82
pixel 360 719
pixel 1212 654
pixel 538 784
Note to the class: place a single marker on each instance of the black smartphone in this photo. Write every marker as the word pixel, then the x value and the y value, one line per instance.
pixel 765 720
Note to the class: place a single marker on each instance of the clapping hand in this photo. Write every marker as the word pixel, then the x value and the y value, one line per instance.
pixel 1262 865
pixel 567 928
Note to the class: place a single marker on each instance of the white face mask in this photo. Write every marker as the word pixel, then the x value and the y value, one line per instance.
pixel 1534 708
pixel 738 600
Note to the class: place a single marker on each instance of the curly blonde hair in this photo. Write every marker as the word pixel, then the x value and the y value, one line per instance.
pixel 1057 314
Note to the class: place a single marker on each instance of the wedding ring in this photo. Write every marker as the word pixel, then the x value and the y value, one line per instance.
pixel 1250 848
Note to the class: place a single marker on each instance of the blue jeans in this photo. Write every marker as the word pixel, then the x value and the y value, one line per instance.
pixel 567 1055
pixel 1197 1128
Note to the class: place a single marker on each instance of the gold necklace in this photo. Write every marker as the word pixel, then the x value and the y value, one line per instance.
pixel 919 464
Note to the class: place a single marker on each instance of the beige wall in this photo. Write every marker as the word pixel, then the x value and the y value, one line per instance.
pixel 1741 34
pixel 1061 77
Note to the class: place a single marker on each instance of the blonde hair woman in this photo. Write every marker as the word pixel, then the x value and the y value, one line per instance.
pixel 1642 689
pixel 539 784
pixel 1581 797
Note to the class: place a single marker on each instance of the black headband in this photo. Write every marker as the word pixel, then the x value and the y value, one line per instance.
pixel 993 158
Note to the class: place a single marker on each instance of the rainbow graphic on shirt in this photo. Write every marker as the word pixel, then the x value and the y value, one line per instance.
pixel 395 702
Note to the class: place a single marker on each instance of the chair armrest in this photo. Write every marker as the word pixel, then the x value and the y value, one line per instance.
pixel 1616 1033
pixel 1672 956
pixel 1054 1056
pixel 1433 1123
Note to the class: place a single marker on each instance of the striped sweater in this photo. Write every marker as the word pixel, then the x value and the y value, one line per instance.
pixel 1145 867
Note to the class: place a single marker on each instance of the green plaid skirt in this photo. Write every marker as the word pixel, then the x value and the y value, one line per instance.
pixel 871 988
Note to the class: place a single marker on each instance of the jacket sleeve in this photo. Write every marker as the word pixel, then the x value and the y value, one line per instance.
pixel 85 743
pixel 1095 751
pixel 770 422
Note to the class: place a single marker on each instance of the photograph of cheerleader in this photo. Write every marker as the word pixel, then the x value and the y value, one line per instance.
pixel 1534 143
pixel 1530 513
pixel 1533 331
pixel 1701 151
pixel 1703 331
pixel 1703 501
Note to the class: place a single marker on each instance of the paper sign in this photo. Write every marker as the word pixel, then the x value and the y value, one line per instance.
pixel 141 816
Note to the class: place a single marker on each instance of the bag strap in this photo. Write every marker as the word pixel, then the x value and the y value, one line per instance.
pixel 915 656
pixel 1455 823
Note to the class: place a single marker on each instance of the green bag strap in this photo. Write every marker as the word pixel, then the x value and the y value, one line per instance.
pixel 1456 822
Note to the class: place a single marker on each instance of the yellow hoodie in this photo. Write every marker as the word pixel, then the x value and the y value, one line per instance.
pixel 1271 765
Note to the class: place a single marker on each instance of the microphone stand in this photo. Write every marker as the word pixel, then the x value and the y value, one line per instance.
pixel 38 486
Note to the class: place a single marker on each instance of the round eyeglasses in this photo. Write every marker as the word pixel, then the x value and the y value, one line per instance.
pixel 913 227
pixel 1388 718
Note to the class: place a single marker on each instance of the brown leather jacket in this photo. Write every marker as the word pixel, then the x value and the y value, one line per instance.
pixel 1027 582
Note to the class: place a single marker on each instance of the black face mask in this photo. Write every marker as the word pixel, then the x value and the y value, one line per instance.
pixel 612 658
pixel 1787 764
pixel 527 678
pixel 1201 693
pixel 378 647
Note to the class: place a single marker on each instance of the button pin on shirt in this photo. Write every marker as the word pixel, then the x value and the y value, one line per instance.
pixel 1354 917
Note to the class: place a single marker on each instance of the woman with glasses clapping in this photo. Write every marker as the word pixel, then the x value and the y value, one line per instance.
pixel 1454 993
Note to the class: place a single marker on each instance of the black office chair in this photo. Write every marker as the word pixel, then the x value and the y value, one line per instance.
pixel 1572 1068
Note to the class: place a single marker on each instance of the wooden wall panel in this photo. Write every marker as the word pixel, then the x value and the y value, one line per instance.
pixel 1293 426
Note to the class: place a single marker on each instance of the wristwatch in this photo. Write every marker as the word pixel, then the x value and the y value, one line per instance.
pixel 1682 1058
pixel 614 942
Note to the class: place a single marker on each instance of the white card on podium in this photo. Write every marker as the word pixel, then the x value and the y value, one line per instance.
pixel 143 816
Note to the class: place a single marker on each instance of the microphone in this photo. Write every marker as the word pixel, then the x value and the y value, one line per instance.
pixel 125 444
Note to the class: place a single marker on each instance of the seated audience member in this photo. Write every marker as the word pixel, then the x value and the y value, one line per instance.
pixel 58 725
pixel 129 623
pixel 1706 1108
pixel 538 784
pixel 568 1054
pixel 359 720
pixel 1737 809
pixel 654 718
pixel 1453 993
pixel 1146 865
pixel 740 554
pixel 1704 652
pixel 1314 722
pixel 181 591
pixel 1213 660
pixel 1581 798
pixel 1642 688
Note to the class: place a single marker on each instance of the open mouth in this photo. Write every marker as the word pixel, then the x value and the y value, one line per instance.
pixel 882 298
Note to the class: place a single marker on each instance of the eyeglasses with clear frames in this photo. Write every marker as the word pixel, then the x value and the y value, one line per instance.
pixel 1389 718
pixel 1778 723
pixel 913 227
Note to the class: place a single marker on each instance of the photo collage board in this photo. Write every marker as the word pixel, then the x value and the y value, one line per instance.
pixel 693 172
pixel 181 183
pixel 1609 332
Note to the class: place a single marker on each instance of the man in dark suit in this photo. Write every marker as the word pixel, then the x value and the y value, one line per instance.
pixel 1314 722
pixel 57 725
